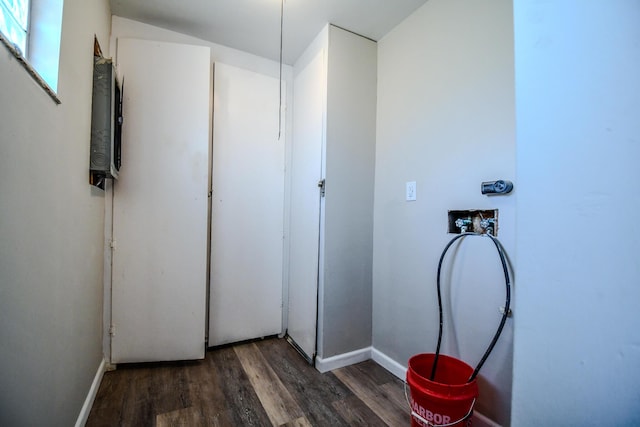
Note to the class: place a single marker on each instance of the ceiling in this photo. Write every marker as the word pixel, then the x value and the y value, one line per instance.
pixel 254 25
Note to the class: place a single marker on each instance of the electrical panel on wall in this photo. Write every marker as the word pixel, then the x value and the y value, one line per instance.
pixel 106 122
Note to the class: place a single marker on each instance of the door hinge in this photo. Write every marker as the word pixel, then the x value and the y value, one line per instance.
pixel 112 244
pixel 112 330
pixel 321 185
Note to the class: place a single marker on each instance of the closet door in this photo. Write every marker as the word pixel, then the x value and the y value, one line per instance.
pixel 160 203
pixel 246 207
pixel 306 172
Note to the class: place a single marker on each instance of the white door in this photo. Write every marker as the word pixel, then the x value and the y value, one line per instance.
pixel 246 207
pixel 308 134
pixel 160 203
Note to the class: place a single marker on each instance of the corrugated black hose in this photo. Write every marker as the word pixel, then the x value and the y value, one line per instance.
pixel 505 314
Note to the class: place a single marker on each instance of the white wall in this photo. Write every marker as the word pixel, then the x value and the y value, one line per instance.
pixel 347 244
pixel 445 120
pixel 51 232
pixel 123 27
pixel 577 335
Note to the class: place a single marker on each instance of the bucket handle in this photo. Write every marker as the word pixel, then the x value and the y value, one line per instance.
pixel 414 414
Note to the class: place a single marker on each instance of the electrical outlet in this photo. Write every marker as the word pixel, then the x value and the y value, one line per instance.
pixel 411 191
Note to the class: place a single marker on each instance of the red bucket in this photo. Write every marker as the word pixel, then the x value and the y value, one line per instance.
pixel 447 401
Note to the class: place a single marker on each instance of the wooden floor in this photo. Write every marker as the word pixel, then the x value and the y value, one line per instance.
pixel 264 383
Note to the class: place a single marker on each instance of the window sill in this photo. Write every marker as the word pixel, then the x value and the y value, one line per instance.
pixel 32 72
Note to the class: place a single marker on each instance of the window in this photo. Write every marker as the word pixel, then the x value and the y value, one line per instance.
pixel 14 20
pixel 31 29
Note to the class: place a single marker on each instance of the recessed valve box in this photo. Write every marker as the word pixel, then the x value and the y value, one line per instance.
pixel 473 221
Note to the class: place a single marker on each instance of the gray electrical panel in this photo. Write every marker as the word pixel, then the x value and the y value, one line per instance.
pixel 106 121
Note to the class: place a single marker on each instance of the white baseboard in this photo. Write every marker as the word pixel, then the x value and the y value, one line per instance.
pixel 93 391
pixel 389 364
pixel 480 420
pixel 342 360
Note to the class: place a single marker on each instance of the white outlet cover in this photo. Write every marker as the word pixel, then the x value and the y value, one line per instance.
pixel 411 191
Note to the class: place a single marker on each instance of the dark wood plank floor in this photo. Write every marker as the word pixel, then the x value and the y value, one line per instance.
pixel 263 383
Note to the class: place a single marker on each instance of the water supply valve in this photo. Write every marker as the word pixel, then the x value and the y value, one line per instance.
pixel 463 224
pixel 487 224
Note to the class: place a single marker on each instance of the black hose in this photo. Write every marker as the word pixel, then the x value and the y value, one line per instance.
pixel 435 360
pixel 505 314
